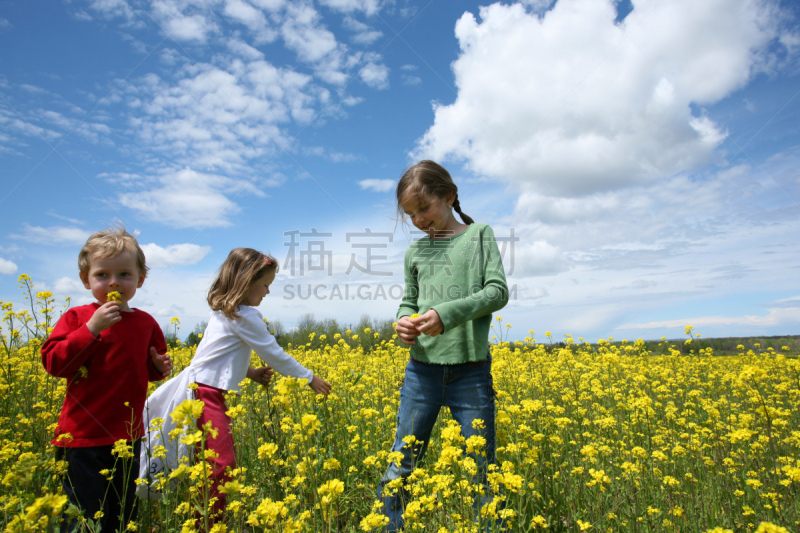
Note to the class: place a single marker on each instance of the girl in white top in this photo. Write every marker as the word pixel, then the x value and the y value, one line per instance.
pixel 222 359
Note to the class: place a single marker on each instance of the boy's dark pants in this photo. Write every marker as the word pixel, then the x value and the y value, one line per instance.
pixel 92 491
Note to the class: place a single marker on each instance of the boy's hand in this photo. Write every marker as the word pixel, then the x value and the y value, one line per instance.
pixel 106 316
pixel 162 362
pixel 429 323
pixel 261 375
pixel 319 385
pixel 406 331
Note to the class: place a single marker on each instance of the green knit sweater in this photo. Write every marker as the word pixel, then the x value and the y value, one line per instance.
pixel 462 278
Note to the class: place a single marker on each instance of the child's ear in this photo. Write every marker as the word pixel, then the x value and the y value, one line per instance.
pixel 141 281
pixel 85 280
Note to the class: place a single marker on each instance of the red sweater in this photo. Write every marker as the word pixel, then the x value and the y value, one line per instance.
pixel 118 368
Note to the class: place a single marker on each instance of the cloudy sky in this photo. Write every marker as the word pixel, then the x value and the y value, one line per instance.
pixel 639 161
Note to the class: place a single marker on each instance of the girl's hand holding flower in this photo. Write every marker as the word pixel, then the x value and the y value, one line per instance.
pixel 428 324
pixel 406 331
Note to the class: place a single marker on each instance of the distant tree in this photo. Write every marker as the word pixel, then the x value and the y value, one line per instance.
pixel 194 337
pixel 171 335
pixel 276 328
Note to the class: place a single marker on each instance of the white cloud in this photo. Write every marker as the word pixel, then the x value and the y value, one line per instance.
pixel 572 103
pixel 303 32
pixel 174 255
pixel 190 199
pixel 537 258
pixel 62 235
pixel 375 74
pixel 171 311
pixel 369 7
pixel 245 13
pixel 362 33
pixel 244 50
pixel 68 286
pixel 7 267
pixel 786 302
pixel 112 8
pixel 270 5
pixel 194 27
pixel 786 316
pixel 221 118
pixel 377 185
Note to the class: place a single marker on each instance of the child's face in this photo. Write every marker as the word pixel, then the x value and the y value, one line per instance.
pixel 108 274
pixel 429 213
pixel 258 289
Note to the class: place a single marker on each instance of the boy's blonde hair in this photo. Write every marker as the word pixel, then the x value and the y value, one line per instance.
pixel 242 267
pixel 110 243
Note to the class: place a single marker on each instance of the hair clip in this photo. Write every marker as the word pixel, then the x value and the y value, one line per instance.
pixel 267 260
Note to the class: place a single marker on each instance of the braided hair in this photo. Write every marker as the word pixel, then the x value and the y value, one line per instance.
pixel 431 178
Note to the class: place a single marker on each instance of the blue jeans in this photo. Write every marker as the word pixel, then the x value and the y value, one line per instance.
pixel 467 390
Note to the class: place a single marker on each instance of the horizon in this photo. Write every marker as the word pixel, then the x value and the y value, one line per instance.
pixel 638 161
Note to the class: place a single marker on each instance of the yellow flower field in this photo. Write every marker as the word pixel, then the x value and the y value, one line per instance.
pixel 591 437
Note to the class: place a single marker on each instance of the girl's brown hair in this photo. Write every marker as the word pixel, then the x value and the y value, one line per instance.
pixel 242 267
pixel 429 177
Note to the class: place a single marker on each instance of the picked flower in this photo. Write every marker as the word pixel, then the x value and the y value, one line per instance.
pixel 114 296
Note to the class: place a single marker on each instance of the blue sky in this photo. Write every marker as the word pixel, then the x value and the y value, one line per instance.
pixel 644 156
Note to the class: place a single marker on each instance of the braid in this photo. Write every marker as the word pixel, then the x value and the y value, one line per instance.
pixel 457 206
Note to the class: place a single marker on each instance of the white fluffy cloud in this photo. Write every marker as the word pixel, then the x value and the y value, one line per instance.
pixel 362 33
pixel 377 185
pixel 221 118
pixel 68 286
pixel 784 316
pixel 52 235
pixel 537 258
pixel 191 26
pixel 303 32
pixel 190 199
pixel 375 74
pixel 572 103
pixel 174 255
pixel 369 7
pixel 7 267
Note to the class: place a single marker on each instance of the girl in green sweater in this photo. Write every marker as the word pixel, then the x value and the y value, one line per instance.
pixel 454 281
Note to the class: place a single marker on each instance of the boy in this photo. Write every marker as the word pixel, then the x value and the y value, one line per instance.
pixel 108 352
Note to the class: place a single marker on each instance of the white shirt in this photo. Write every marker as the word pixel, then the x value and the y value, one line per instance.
pixel 223 356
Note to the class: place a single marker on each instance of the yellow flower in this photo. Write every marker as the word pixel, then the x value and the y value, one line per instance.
pixel 122 449
pixel 187 412
pixel 48 505
pixel 265 451
pixel 113 296
pixel 331 464
pixel 373 521
pixel 231 487
pixel 332 487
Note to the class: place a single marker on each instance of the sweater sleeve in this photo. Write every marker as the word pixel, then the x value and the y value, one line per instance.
pixel 69 346
pixel 253 331
pixel 483 299
pixel 408 305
